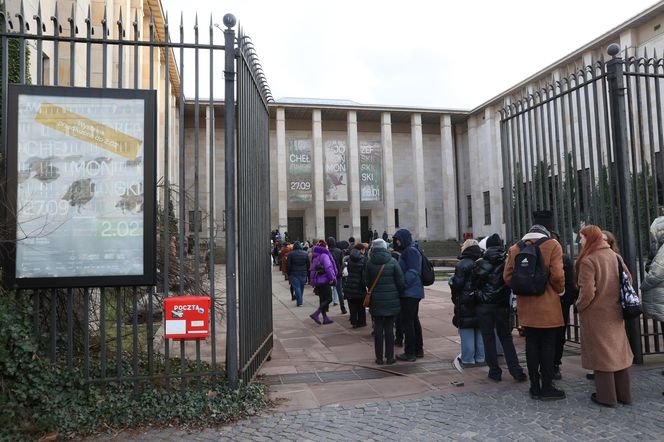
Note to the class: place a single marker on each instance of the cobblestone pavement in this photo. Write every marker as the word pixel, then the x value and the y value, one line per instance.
pixel 494 414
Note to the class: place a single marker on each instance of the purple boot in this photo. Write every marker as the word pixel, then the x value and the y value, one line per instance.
pixel 326 320
pixel 315 317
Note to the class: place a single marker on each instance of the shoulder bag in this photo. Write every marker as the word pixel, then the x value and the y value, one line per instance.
pixel 629 300
pixel 367 297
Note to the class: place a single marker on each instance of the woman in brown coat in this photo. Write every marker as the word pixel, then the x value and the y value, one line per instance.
pixel 604 345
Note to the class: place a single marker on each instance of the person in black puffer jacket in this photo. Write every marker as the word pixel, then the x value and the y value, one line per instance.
pixel 354 287
pixel 567 300
pixel 463 297
pixel 297 268
pixel 493 312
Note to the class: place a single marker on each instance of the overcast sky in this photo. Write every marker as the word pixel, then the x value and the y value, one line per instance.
pixel 443 54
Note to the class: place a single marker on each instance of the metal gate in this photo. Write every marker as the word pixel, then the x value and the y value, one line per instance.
pixel 588 147
pixel 115 334
pixel 254 253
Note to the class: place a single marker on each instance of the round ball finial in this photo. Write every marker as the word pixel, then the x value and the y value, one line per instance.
pixel 613 49
pixel 229 20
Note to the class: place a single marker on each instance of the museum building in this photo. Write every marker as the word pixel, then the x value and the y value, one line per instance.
pixel 338 168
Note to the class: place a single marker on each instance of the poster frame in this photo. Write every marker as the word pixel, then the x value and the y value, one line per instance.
pixel 149 275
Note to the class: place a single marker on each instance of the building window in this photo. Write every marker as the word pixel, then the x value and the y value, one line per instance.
pixel 396 217
pixel 193 223
pixel 426 217
pixel 469 205
pixel 487 208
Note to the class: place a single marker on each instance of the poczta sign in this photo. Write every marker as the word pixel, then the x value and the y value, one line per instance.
pixel 187 317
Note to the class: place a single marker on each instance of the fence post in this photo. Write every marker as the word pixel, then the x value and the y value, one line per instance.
pixel 229 172
pixel 617 95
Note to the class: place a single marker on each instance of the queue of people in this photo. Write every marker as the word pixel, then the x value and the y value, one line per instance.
pixel 534 278
pixel 341 271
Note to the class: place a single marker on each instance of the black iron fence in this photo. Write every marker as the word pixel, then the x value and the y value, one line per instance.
pixel 116 333
pixel 255 302
pixel 588 147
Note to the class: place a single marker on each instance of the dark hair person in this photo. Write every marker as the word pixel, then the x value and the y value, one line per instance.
pixel 604 345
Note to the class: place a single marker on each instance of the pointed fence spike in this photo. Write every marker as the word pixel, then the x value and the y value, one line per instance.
pixel 37 17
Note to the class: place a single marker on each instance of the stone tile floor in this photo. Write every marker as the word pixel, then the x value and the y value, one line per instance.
pixel 329 388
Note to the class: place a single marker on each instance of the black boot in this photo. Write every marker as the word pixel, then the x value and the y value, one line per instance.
pixel 550 392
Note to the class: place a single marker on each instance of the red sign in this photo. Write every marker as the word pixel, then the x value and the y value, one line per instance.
pixel 187 317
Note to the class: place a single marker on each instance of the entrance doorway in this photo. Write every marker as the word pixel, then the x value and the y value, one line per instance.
pixel 296 228
pixel 330 227
pixel 364 229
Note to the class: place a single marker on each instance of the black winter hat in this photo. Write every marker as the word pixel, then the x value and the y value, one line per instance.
pixel 543 218
pixel 494 241
pixel 332 242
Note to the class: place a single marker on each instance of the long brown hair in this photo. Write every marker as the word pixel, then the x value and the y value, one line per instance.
pixel 611 241
pixel 594 241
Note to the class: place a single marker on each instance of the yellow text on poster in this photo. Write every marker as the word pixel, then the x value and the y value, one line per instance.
pixel 85 129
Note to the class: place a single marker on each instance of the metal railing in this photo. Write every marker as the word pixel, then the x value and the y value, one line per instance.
pixel 255 282
pixel 588 147
pixel 115 334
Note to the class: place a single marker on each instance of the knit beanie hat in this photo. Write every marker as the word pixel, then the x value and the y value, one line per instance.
pixel 378 244
pixel 494 241
pixel 467 243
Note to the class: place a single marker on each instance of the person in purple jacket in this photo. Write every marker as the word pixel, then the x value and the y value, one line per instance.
pixel 322 276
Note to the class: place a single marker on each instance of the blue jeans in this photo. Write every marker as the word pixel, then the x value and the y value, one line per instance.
pixel 472 346
pixel 298 282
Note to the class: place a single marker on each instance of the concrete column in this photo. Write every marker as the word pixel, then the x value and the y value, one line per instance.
pixel 449 196
pixel 420 232
pixel 388 171
pixel 282 171
pixel 319 181
pixel 495 178
pixel 476 179
pixel 354 175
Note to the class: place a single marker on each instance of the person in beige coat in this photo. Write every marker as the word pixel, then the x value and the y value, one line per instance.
pixel 541 315
pixel 604 345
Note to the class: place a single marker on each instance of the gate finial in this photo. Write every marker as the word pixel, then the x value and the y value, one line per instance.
pixel 613 50
pixel 229 20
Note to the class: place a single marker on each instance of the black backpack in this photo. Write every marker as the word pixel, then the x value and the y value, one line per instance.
pixel 428 276
pixel 529 278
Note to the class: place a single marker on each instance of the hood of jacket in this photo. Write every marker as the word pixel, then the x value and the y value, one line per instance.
pixel 380 256
pixel 404 237
pixel 656 236
pixel 355 255
pixel 318 250
pixel 494 255
pixel 472 252
pixel 331 242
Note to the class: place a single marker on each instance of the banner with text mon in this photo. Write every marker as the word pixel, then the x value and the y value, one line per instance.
pixel 336 175
pixel 299 170
pixel 371 171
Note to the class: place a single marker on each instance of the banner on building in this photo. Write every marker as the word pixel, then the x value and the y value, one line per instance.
pixel 371 171
pixel 300 186
pixel 336 174
pixel 81 188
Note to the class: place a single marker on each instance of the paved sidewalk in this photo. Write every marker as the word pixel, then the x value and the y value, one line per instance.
pixel 328 388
